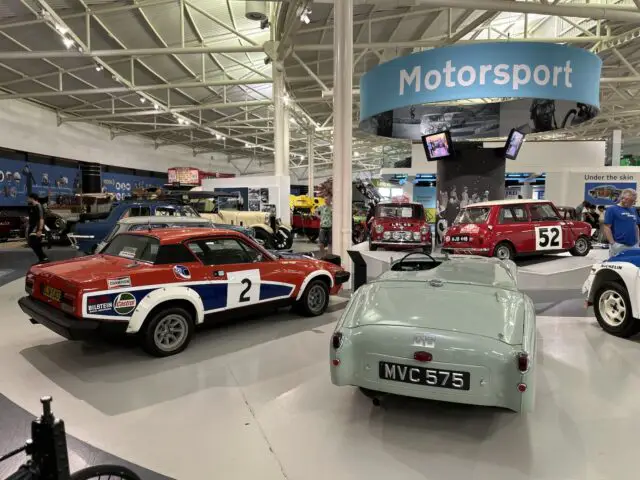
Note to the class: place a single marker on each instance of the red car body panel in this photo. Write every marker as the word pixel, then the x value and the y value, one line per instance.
pixel 401 225
pixel 529 235
pixel 88 284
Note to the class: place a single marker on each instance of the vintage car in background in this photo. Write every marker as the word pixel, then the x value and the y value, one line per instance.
pixel 136 224
pixel 160 284
pixel 455 329
pixel 605 192
pixel 399 226
pixel 613 289
pixel 12 224
pixel 223 208
pixel 304 220
pixel 88 233
pixel 510 228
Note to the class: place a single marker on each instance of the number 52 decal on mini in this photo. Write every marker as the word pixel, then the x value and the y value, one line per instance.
pixel 549 238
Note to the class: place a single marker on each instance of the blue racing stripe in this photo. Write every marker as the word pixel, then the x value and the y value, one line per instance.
pixel 268 291
pixel 213 295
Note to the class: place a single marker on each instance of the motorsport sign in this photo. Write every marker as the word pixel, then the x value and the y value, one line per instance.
pixel 497 71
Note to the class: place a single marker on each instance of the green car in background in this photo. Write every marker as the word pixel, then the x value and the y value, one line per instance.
pixel 454 329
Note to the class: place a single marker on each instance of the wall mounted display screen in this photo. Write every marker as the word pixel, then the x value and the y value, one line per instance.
pixel 438 145
pixel 514 142
pixel 19 178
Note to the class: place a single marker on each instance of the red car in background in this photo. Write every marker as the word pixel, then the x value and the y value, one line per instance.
pixel 510 228
pixel 400 226
pixel 12 225
pixel 160 284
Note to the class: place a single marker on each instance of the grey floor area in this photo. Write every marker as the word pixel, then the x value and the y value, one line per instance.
pixel 253 399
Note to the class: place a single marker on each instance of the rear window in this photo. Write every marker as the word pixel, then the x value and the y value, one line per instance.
pixel 399 211
pixel 133 247
pixel 476 215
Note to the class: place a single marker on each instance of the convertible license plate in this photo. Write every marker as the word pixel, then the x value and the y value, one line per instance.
pixel 460 238
pixel 52 293
pixel 431 377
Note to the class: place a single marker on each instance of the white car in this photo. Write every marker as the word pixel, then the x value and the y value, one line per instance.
pixel 613 289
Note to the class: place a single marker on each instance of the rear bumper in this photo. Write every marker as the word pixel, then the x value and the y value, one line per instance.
pixel 401 244
pixel 67 325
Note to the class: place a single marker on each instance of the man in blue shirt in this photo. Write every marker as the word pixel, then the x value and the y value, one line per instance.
pixel 621 223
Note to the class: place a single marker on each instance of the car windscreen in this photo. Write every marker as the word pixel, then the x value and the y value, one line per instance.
pixel 176 211
pixel 158 226
pixel 133 247
pixel 476 215
pixel 399 211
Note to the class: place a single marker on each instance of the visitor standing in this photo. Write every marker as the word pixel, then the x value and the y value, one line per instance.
pixel 35 229
pixel 621 223
pixel 326 220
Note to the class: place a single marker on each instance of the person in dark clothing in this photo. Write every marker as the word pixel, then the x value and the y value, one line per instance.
pixel 36 227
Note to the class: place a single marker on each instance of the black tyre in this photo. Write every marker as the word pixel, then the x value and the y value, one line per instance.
pixel 314 300
pixel 283 239
pixel 168 332
pixel 105 472
pixel 504 251
pixel 581 248
pixel 264 238
pixel 612 307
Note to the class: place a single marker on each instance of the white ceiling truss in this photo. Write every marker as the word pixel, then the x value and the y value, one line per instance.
pixel 193 72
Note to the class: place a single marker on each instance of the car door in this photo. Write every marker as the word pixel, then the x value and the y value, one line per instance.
pixel 550 232
pixel 248 277
pixel 513 226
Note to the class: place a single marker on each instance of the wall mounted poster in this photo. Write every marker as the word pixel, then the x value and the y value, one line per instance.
pixel 426 196
pixel 18 178
pixel 122 184
pixel 605 193
pixel 254 199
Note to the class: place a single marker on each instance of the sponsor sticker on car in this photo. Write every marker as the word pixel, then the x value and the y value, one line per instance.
pixel 119 282
pixel 125 303
pixel 128 252
pixel 182 272
pixel 100 307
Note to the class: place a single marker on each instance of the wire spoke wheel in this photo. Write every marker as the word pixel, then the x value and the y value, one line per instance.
pixel 105 472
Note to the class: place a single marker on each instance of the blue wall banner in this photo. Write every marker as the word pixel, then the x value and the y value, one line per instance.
pixel 496 71
pixel 18 178
pixel 605 193
pixel 123 184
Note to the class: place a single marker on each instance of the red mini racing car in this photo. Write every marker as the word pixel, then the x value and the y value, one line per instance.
pixel 160 284
pixel 510 228
pixel 400 226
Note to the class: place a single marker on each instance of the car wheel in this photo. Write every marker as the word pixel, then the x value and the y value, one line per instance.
pixel 264 239
pixel 169 332
pixel 284 239
pixel 504 251
pixel 315 299
pixel 581 247
pixel 613 310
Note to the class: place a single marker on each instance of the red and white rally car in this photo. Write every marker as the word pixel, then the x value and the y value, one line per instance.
pixel 400 225
pixel 510 228
pixel 160 284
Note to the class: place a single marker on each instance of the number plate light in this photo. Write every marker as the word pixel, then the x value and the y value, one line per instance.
pixel 422 356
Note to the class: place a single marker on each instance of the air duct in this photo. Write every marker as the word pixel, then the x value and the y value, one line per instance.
pixel 256 10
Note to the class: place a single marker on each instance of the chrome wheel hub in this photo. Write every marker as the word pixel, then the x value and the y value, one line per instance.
pixel 316 299
pixel 581 245
pixel 613 308
pixel 503 253
pixel 170 332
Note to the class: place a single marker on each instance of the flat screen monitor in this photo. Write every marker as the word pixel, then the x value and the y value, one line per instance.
pixel 514 142
pixel 438 145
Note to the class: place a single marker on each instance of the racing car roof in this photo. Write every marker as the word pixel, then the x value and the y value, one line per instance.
pixel 169 236
pixel 163 219
pixel 505 202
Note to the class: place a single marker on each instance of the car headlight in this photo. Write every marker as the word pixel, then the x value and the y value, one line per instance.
pixel 407 235
pixel 396 235
pixel 379 229
pixel 386 235
pixel 416 235
pixel 424 229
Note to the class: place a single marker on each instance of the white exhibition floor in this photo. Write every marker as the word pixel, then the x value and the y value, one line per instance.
pixel 253 400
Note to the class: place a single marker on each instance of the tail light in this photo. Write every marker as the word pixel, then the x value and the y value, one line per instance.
pixel 68 303
pixel 423 356
pixel 522 387
pixel 336 340
pixel 523 361
pixel 28 283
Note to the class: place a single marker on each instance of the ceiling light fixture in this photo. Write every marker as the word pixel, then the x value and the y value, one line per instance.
pixel 304 16
pixel 68 42
pixel 156 106
pixel 356 154
pixel 218 136
pixel 99 68
pixel 61 29
pixel 142 99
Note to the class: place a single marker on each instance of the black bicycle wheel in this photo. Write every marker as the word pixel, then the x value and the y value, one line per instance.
pixel 105 472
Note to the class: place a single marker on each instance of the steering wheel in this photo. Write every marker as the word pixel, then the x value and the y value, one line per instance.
pixel 399 264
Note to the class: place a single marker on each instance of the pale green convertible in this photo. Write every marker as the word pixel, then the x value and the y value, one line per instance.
pixel 454 329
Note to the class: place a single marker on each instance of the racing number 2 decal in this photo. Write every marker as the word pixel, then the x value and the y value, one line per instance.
pixel 243 288
pixel 549 238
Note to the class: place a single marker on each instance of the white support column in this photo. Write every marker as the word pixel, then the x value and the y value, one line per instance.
pixel 616 147
pixel 310 155
pixel 279 127
pixel 343 120
pixel 286 126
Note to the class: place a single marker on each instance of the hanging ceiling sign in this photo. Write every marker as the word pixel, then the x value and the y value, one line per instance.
pixel 483 72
